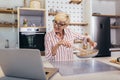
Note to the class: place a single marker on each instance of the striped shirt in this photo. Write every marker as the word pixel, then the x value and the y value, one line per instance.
pixel 63 53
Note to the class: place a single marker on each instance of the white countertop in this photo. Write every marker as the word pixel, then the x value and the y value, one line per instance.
pixel 108 75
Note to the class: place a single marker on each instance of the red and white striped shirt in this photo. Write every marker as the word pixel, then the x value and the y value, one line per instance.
pixel 63 53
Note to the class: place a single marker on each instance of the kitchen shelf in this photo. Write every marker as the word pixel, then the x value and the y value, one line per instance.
pixel 34 9
pixel 8 11
pixel 75 1
pixel 111 16
pixel 5 11
pixel 33 27
pixel 79 24
pixel 115 27
pixel 7 25
pixel 107 15
pixel 52 13
pixel 73 23
pixel 114 49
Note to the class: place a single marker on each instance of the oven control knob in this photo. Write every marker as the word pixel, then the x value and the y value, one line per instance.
pixel 37 29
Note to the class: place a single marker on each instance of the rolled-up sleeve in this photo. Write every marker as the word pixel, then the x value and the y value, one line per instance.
pixel 78 36
pixel 81 37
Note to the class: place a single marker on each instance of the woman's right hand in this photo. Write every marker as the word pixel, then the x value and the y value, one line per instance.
pixel 64 43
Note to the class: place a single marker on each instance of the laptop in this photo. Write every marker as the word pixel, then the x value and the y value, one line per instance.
pixel 24 64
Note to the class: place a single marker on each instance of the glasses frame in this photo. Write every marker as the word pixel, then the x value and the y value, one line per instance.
pixel 59 24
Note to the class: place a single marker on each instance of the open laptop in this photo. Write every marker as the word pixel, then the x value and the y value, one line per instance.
pixel 23 63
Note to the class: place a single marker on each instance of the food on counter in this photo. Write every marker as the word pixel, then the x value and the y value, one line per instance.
pixel 113 60
pixel 117 60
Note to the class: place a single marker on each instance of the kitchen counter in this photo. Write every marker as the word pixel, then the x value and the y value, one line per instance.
pixel 106 75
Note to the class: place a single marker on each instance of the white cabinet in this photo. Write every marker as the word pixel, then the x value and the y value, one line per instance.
pixel 33 17
pixel 30 23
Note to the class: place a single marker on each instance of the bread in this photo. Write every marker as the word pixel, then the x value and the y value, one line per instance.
pixel 113 60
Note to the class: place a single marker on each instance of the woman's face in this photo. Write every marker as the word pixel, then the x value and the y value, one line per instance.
pixel 59 26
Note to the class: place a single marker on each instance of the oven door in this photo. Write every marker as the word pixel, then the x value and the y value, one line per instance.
pixel 32 40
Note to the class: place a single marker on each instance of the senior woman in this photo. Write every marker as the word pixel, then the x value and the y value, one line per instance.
pixel 58 43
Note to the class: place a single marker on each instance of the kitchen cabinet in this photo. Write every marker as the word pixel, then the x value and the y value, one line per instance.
pixel 32 28
pixel 34 17
pixel 9 20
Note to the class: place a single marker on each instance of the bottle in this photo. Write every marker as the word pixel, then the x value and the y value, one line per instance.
pixel 7 43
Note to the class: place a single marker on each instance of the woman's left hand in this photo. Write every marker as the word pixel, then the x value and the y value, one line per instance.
pixel 93 44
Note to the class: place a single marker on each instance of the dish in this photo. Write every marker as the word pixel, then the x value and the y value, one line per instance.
pixel 87 53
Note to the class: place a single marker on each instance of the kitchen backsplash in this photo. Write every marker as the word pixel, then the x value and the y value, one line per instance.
pixel 77 13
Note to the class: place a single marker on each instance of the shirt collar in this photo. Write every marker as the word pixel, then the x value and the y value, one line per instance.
pixel 65 31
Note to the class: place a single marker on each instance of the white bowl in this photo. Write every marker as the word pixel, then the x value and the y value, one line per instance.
pixel 87 53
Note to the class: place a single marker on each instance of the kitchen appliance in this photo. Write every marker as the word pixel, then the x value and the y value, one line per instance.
pixel 101 34
pixel 32 38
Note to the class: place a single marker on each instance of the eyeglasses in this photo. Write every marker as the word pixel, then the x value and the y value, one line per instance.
pixel 60 23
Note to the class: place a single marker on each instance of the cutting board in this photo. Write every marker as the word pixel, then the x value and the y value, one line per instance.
pixel 50 72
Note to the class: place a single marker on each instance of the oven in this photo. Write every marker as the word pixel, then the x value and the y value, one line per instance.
pixel 32 38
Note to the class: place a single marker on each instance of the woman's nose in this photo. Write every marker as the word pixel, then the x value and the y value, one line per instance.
pixel 56 26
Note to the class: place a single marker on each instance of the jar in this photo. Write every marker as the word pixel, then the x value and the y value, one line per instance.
pixel 35 4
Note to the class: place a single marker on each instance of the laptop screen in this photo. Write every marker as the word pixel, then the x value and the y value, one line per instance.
pixel 22 63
